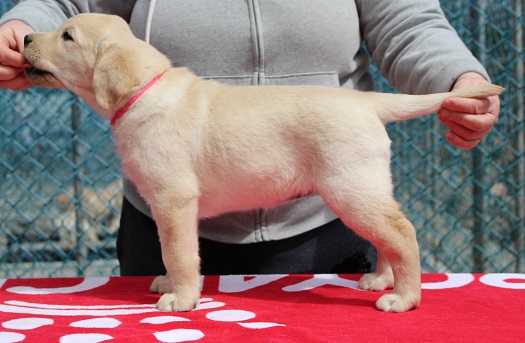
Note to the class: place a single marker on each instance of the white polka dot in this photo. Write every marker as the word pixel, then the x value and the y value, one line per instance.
pixel 163 320
pixel 97 323
pixel 85 338
pixel 179 335
pixel 259 325
pixel 500 280
pixel 27 323
pixel 230 315
pixel 11 337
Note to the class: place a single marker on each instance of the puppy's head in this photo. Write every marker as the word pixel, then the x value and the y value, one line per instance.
pixel 95 56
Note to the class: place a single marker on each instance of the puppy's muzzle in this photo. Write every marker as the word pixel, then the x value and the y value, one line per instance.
pixel 32 71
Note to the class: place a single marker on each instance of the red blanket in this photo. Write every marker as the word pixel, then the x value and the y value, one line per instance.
pixel 271 308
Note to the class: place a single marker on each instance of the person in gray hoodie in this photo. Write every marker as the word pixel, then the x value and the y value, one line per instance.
pixel 262 42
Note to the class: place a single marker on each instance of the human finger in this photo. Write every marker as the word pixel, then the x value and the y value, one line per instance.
pixel 474 122
pixel 12 36
pixel 19 82
pixel 469 105
pixel 460 142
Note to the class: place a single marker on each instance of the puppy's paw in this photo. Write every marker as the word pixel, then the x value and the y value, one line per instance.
pixel 161 284
pixel 184 296
pixel 173 302
pixel 376 281
pixel 396 303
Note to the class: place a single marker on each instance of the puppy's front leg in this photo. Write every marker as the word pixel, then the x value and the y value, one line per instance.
pixel 177 225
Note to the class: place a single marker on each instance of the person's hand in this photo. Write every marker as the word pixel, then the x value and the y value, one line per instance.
pixel 469 120
pixel 12 61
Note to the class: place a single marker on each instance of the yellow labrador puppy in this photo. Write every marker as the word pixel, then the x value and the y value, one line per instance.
pixel 197 148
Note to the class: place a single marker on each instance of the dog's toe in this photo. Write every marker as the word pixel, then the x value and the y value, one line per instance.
pixel 161 284
pixel 396 303
pixel 170 302
pixel 376 281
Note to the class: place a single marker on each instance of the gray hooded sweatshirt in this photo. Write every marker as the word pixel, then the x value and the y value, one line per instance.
pixel 262 42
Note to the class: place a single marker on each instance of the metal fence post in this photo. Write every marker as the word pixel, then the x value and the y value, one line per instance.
pixel 478 206
pixel 518 235
pixel 78 189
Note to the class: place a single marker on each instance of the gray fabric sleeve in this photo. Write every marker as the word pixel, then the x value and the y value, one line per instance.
pixel 414 46
pixel 47 15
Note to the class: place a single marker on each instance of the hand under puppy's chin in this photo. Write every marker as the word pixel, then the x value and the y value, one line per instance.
pixel 42 78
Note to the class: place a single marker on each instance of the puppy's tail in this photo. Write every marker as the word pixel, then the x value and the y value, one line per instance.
pixel 403 106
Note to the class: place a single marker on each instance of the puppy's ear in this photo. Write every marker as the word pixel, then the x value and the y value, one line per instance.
pixel 114 74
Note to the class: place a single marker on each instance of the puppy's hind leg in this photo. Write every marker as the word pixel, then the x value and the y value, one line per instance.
pixel 403 254
pixel 176 219
pixel 374 214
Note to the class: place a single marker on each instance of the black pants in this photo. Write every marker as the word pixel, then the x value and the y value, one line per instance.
pixel 331 248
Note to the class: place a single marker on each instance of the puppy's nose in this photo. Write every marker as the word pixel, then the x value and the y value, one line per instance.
pixel 27 39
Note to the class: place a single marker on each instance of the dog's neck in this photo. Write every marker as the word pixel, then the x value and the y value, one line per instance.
pixel 126 107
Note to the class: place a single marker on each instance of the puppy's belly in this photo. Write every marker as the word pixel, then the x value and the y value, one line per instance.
pixel 243 197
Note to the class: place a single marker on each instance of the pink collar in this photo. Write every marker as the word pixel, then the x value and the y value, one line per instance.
pixel 124 109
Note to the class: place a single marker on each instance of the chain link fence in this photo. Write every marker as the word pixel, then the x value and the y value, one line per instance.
pixel 60 182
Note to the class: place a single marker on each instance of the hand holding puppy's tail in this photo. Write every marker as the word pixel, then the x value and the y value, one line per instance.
pixel 403 106
pixel 476 91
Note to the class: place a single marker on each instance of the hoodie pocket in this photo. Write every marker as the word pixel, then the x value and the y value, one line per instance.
pixel 315 79
pixel 329 78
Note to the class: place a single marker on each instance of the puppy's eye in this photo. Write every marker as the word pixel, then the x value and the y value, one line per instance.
pixel 67 36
